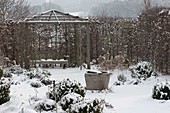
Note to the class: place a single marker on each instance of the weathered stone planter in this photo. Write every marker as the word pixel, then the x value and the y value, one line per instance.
pixel 97 81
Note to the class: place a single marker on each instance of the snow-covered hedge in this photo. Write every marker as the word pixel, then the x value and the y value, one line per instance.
pixel 161 91
pixel 142 70
pixel 4 93
pixel 66 86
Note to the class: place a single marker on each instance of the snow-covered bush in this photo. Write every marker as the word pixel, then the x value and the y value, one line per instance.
pixel 71 98
pixel 87 106
pixel 121 78
pixel 4 89
pixel 37 73
pixel 118 83
pixel 161 91
pixel 66 86
pixel 135 81
pixel 75 103
pixel 46 105
pixel 4 93
pixel 1 72
pixel 142 70
pixel 31 73
pixel 35 84
pixel 16 69
pixel 46 81
pixel 7 75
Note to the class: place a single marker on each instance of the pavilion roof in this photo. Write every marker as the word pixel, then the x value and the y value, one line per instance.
pixel 53 16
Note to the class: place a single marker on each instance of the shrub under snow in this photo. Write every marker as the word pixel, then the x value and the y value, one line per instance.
pixel 71 98
pixel 37 73
pixel 46 105
pixel 87 106
pixel 35 84
pixel 16 69
pixel 4 93
pixel 66 86
pixel 46 81
pixel 161 91
pixel 143 70
pixel 121 80
pixel 31 73
pixel 75 103
pixel 4 90
pixel 1 73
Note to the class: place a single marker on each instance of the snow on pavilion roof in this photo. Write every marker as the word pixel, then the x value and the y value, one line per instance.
pixel 54 16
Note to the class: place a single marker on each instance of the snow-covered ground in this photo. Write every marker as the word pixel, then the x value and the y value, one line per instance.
pixel 126 98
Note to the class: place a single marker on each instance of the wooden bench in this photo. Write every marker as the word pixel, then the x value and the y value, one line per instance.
pixel 51 63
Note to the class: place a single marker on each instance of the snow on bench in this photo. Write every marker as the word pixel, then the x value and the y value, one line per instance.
pixel 52 63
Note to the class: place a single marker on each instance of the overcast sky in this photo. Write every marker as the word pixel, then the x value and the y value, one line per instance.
pixel 72 5
pixel 127 8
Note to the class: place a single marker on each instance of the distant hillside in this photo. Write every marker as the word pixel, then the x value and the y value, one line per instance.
pixel 124 8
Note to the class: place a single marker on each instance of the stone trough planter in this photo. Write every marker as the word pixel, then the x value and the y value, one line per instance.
pixel 97 81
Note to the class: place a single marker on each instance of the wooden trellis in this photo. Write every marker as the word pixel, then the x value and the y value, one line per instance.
pixel 62 20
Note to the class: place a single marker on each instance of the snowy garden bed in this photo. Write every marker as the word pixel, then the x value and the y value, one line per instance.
pixel 118 99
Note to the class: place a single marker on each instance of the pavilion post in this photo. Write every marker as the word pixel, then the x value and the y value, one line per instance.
pixel 88 46
pixel 56 41
pixel 27 41
pixel 80 46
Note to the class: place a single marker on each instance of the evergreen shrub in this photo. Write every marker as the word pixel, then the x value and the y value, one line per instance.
pixel 46 105
pixel 1 73
pixel 35 84
pixel 86 106
pixel 71 98
pixel 37 73
pixel 143 70
pixel 75 103
pixel 4 93
pixel 64 87
pixel 161 91
pixel 46 81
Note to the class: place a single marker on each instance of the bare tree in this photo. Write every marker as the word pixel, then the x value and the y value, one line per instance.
pixel 147 4
pixel 12 11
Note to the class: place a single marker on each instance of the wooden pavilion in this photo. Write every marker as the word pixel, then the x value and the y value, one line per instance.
pixel 62 23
